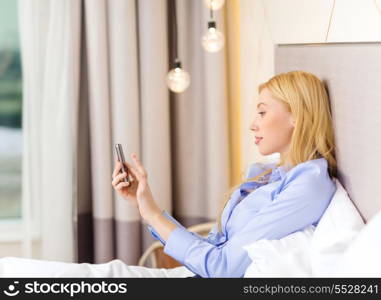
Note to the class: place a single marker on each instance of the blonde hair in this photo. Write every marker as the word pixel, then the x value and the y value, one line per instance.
pixel 306 97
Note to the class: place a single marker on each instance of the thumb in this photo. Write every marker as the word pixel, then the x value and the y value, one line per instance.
pixel 135 174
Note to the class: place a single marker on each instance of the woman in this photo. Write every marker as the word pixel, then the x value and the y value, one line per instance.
pixel 293 118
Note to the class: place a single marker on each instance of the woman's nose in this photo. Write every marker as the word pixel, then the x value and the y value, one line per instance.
pixel 253 126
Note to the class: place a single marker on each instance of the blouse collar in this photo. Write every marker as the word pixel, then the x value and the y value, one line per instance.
pixel 278 173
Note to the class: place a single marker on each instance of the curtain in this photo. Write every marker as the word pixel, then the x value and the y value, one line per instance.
pixel 200 121
pixel 102 71
pixel 50 43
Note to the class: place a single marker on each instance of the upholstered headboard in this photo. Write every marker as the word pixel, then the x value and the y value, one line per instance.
pixel 352 74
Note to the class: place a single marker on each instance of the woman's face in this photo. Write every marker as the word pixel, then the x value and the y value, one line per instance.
pixel 273 124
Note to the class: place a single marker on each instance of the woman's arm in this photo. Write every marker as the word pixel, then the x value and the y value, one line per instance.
pixel 139 194
pixel 301 203
pixel 162 226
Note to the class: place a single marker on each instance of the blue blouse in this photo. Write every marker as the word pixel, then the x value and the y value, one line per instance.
pixel 282 203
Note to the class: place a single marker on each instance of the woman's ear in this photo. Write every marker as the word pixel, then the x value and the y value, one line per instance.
pixel 292 120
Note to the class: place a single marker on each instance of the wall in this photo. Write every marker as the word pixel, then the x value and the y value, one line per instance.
pixel 266 23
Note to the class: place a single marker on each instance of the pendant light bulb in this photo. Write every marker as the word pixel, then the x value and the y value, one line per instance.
pixel 213 40
pixel 178 79
pixel 214 4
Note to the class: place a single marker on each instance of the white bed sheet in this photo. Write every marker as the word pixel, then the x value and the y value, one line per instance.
pixel 24 267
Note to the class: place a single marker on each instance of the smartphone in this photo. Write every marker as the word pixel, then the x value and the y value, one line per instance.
pixel 120 155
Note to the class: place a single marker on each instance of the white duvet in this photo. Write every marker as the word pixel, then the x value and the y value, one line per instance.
pixel 24 267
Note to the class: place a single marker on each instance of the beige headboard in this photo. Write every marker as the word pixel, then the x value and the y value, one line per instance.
pixel 352 73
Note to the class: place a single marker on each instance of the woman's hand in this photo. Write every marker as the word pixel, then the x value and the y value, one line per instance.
pixel 137 191
pixel 126 189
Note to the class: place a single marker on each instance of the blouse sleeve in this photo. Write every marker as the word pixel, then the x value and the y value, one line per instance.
pixel 300 204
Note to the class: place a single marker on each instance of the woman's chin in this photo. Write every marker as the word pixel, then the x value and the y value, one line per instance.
pixel 265 152
pixel 262 152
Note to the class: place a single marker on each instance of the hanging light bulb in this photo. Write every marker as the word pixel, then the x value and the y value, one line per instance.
pixel 178 79
pixel 213 40
pixel 214 4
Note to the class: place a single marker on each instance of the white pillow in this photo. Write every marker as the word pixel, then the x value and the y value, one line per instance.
pixel 362 258
pixel 339 225
pixel 311 252
pixel 287 257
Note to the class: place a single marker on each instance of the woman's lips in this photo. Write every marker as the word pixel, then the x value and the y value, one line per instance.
pixel 257 140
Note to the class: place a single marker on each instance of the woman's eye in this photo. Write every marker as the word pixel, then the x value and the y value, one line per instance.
pixel 262 113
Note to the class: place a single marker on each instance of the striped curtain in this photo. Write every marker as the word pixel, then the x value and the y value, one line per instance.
pixel 183 139
pixel 189 143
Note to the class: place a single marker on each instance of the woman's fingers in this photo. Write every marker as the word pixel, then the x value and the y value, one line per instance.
pixel 135 173
pixel 121 185
pixel 118 178
pixel 118 166
pixel 130 168
pixel 139 166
